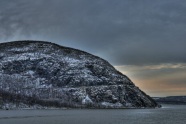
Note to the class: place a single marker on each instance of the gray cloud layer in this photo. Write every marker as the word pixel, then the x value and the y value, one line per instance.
pixel 122 31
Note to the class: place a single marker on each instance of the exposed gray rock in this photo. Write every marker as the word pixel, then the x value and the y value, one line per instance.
pixel 35 72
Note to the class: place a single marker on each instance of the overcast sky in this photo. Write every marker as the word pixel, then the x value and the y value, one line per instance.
pixel 144 39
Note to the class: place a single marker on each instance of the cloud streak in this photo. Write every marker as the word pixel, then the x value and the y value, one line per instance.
pixel 153 67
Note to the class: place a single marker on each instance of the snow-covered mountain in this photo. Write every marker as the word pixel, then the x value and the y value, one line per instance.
pixel 35 72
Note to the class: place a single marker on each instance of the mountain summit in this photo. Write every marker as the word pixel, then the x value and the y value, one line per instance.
pixel 44 73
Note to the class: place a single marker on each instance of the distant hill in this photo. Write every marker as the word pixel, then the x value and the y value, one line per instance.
pixel 47 74
pixel 171 99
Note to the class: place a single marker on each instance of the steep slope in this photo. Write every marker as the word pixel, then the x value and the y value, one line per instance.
pixel 35 72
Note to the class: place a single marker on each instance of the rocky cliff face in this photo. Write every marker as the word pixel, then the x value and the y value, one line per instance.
pixel 35 72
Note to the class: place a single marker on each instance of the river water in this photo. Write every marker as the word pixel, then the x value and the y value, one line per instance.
pixel 168 114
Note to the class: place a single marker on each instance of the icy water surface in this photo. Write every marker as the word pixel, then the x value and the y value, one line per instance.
pixel 169 114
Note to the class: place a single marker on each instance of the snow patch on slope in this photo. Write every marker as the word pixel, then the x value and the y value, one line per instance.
pixel 86 100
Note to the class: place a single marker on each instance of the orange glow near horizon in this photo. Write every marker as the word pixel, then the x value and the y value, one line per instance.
pixel 158 80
